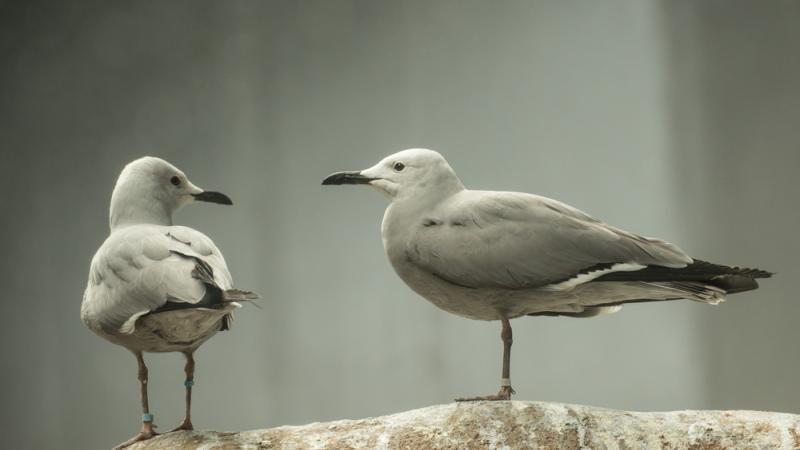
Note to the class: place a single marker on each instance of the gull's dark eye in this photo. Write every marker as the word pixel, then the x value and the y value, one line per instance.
pixel 175 181
pixel 398 166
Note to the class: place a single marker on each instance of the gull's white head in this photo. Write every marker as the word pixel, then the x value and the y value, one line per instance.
pixel 150 189
pixel 415 173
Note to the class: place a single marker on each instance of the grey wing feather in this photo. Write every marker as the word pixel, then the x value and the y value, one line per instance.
pixel 139 269
pixel 203 247
pixel 514 240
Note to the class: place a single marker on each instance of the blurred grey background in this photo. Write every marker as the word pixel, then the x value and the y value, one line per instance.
pixel 677 119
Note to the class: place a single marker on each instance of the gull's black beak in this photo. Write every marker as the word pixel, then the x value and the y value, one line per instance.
pixel 213 197
pixel 347 178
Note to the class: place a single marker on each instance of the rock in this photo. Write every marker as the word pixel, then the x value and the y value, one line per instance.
pixel 513 425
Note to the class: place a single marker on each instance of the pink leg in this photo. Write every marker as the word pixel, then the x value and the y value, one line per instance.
pixel 189 370
pixel 505 383
pixel 148 429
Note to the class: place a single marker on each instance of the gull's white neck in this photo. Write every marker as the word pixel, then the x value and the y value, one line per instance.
pixel 129 207
pixel 408 212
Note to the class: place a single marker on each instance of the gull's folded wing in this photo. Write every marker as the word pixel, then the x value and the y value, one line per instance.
pixel 140 269
pixel 513 240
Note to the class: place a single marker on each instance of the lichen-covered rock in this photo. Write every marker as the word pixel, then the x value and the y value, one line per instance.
pixel 513 425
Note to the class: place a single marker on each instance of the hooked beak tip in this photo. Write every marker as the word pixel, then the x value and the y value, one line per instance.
pixel 213 197
pixel 346 178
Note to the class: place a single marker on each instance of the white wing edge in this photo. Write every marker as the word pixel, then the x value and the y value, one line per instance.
pixel 582 278
pixel 130 325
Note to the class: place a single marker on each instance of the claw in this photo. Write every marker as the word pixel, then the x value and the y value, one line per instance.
pixel 147 432
pixel 185 426
pixel 504 394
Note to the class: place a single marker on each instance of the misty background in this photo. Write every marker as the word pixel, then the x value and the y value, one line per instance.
pixel 675 119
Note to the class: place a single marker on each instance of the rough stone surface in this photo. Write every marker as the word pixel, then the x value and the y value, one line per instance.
pixel 513 425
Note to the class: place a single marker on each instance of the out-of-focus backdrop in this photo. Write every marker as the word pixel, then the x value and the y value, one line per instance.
pixel 676 119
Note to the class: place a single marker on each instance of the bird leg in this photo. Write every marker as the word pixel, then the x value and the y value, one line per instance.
pixel 505 382
pixel 189 370
pixel 148 429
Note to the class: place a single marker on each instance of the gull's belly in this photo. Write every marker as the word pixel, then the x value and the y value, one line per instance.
pixel 477 304
pixel 172 331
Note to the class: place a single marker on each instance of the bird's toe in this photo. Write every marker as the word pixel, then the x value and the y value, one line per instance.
pixel 504 394
pixel 144 434
pixel 185 426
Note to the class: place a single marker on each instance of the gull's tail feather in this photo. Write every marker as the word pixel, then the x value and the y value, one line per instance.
pixel 676 290
pixel 239 295
pixel 227 322
pixel 662 292
pixel 234 296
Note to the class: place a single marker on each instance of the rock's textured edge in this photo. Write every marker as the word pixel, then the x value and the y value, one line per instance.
pixel 515 424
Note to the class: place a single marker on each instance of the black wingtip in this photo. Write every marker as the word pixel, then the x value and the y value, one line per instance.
pixel 731 279
pixel 735 270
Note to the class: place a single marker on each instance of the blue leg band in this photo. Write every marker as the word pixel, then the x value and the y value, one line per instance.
pixel 188 383
pixel 147 417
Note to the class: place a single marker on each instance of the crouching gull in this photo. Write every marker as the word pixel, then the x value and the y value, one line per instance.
pixel 154 286
pixel 490 255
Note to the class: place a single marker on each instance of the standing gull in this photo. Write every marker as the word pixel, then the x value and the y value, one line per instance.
pixel 489 255
pixel 154 286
